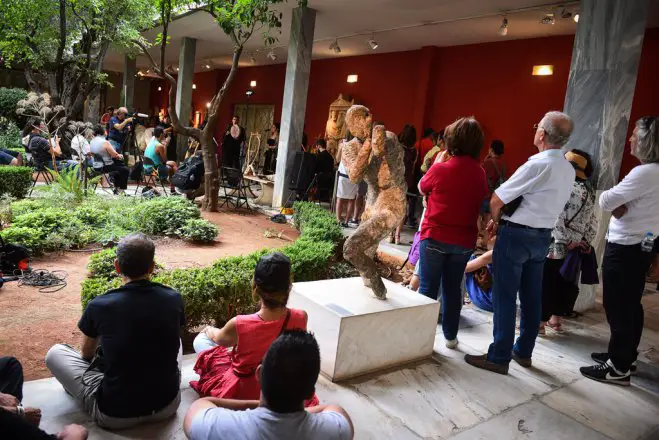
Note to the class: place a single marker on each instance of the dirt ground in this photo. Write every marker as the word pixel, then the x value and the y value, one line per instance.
pixel 31 322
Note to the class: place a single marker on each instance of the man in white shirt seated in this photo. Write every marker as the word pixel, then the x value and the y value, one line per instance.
pixel 540 188
pixel 288 377
pixel 634 203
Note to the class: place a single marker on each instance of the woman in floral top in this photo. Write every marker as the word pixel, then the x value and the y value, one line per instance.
pixel 575 228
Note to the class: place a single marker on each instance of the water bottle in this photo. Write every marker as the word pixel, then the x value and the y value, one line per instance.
pixel 648 242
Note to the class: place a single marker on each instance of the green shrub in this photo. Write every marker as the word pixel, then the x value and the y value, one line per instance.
pixel 8 102
pixel 91 215
pixel 44 220
pixel 217 293
pixel 15 181
pixel 29 237
pixel 101 264
pixel 198 229
pixel 165 215
pixel 10 137
pixel 24 206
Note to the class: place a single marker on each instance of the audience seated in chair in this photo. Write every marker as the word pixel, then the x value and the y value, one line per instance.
pixel 157 152
pixel 230 374
pixel 17 422
pixel 288 376
pixel 107 160
pixel 43 150
pixel 135 377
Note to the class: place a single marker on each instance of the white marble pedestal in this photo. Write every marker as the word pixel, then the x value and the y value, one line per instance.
pixel 359 333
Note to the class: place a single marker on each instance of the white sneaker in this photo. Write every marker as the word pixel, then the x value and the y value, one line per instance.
pixel 452 343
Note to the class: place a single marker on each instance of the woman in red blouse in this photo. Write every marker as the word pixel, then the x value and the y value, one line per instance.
pixel 455 190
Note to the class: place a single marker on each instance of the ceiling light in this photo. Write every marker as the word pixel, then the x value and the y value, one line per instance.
pixel 159 88
pixel 335 47
pixel 207 66
pixel 565 13
pixel 548 19
pixel 503 29
pixel 208 105
pixel 249 93
pixel 372 42
pixel 352 79
pixel 543 70
pixel 252 59
pixel 575 17
pixel 252 84
pixel 194 86
pixel 272 55
pixel 177 68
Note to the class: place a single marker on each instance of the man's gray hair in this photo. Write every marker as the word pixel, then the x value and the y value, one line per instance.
pixel 558 128
pixel 647 144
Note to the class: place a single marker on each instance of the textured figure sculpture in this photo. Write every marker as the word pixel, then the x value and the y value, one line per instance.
pixel 375 156
pixel 335 129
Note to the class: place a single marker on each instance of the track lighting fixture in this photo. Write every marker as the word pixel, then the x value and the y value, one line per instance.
pixel 373 43
pixel 503 29
pixel 548 19
pixel 575 17
pixel 272 55
pixel 335 47
pixel 566 13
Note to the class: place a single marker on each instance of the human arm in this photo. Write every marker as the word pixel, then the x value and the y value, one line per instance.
pixel 13 426
pixel 429 180
pixel 478 262
pixel 210 403
pixel 227 336
pixel 88 347
pixel 334 409
pixel 161 152
pixel 121 125
pixel 111 151
pixel 630 188
pixel 73 432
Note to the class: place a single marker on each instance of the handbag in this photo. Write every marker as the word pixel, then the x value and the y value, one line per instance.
pixel 510 208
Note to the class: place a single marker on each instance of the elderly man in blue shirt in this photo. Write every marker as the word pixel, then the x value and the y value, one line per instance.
pixel 535 196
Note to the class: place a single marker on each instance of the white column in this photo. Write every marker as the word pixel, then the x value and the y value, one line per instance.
pixel 186 63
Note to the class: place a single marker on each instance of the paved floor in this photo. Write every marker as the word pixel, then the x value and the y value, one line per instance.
pixel 446 398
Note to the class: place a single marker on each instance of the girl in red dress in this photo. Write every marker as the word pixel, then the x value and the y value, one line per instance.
pixel 230 373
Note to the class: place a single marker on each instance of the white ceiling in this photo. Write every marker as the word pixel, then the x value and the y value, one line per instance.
pixel 399 25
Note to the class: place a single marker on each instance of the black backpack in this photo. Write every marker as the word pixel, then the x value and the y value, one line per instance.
pixel 189 174
pixel 136 172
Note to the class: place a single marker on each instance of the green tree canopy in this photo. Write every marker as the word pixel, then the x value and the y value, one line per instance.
pixel 66 41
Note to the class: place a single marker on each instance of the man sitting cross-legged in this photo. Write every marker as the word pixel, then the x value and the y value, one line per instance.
pixel 288 376
pixel 137 328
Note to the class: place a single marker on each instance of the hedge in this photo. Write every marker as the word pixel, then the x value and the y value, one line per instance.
pixel 9 98
pixel 214 294
pixel 56 222
pixel 15 181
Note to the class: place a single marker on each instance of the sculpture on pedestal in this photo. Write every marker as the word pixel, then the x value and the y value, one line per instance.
pixel 375 156
pixel 335 130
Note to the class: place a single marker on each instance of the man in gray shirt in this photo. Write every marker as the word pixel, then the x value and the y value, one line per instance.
pixel 288 377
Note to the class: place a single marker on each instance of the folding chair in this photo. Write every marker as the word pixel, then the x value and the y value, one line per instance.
pixel 95 171
pixel 232 179
pixel 40 170
pixel 151 178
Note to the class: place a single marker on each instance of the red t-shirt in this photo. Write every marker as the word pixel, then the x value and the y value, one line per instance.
pixel 423 146
pixel 455 190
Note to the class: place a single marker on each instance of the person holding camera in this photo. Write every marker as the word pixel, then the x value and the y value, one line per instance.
pixel 120 125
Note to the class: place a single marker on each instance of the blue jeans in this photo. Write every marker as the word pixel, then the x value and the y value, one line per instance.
pixel 518 263
pixel 443 265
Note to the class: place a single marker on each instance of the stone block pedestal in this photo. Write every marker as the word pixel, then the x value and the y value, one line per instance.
pixel 360 334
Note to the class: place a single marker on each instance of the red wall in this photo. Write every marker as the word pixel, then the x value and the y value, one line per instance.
pixel 491 81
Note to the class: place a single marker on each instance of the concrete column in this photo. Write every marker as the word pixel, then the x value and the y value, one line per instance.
pixel 186 63
pixel 128 85
pixel 605 60
pixel 294 106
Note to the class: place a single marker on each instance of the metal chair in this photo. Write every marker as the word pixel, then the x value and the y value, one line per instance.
pixel 232 179
pixel 150 178
pixel 95 171
pixel 41 170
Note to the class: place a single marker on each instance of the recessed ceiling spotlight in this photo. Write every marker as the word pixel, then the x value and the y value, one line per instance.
pixel 177 68
pixel 335 47
pixel 373 43
pixel 575 17
pixel 503 29
pixel 252 59
pixel 272 55
pixel 548 19
pixel 207 66
pixel 565 13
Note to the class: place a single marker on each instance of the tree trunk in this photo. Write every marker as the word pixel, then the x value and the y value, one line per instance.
pixel 94 106
pixel 31 81
pixel 211 172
